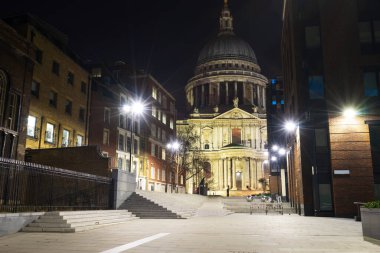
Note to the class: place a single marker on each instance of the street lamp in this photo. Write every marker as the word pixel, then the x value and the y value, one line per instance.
pixel 274 147
pixel 174 147
pixel 350 113
pixel 290 126
pixel 136 108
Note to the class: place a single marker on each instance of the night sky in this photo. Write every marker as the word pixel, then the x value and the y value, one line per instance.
pixel 161 36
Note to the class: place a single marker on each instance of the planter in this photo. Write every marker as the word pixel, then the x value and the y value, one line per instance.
pixel 371 224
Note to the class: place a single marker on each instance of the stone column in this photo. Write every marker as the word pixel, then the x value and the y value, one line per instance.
pixel 203 95
pixel 221 179
pixel 258 95
pixel 264 98
pixel 233 173
pixel 252 91
pixel 253 175
pixel 217 102
pixel 257 137
pixel 235 89
pixel 227 102
pixel 225 173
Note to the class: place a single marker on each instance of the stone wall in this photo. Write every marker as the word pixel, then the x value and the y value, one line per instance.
pixel 81 159
pixel 124 186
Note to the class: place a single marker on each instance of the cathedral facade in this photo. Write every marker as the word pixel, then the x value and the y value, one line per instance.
pixel 227 108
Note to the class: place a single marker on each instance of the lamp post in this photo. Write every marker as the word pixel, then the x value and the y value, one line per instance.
pixel 136 108
pixel 174 147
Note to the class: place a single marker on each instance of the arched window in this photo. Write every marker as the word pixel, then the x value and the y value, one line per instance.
pixel 3 91
pixel 207 146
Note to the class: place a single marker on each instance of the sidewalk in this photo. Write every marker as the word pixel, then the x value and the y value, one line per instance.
pixel 212 207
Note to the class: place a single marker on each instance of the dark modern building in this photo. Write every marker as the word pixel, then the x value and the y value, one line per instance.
pixel 276 137
pixel 331 59
pixel 16 70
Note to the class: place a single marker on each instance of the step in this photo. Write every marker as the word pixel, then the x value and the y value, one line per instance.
pixel 74 217
pixel 57 213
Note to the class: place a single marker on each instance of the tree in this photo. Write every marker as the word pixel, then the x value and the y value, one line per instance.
pixel 192 163
pixel 263 182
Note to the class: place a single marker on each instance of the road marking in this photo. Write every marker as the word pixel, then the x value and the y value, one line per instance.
pixel 135 243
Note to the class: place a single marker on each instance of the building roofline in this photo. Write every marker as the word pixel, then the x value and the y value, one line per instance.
pixel 56 37
pixel 156 82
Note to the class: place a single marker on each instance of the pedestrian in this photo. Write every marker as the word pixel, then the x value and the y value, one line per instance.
pixel 228 190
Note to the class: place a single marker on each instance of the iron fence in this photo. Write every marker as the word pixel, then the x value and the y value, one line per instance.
pixel 34 187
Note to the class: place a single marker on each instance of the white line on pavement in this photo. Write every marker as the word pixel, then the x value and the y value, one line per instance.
pixel 135 243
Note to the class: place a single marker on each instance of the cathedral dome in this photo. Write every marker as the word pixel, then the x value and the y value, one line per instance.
pixel 227 46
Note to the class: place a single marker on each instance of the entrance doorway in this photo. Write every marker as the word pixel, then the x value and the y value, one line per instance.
pixel 238 181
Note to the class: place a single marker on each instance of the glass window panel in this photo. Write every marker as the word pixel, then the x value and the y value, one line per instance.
pixel 316 87
pixel 65 138
pixel 325 201
pixel 31 126
pixel 376 30
pixel 79 140
pixel 49 134
pixel 312 37
pixel 321 138
pixel 370 84
pixel 365 34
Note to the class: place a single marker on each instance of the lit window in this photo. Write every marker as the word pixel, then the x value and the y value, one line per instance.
pixel 316 87
pixel 105 136
pixel 370 84
pixel 312 37
pixel 171 124
pixel 153 149
pixel 79 140
pixel 154 111
pixel 49 133
pixel 163 155
pixel 164 118
pixel 163 177
pixel 65 138
pixel 274 102
pixel 154 92
pixel 31 127
pixel 152 172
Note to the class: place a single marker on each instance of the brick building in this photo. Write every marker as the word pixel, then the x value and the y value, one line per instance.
pixel 59 100
pixel 16 68
pixel 110 126
pixel 120 84
pixel 331 59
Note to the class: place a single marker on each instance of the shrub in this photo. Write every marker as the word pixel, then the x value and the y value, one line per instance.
pixel 373 204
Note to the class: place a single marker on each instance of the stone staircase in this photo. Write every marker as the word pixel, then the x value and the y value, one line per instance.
pixel 185 205
pixel 146 209
pixel 75 221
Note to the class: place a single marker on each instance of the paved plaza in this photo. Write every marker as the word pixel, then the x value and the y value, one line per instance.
pixel 211 230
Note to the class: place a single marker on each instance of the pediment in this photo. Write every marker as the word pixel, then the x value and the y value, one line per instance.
pixel 236 113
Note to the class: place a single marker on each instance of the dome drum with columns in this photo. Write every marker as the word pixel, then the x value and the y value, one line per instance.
pixel 227 68
pixel 226 107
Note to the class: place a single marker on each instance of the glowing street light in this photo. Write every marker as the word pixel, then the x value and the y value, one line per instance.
pixel 136 108
pixel 273 158
pixel 350 113
pixel 275 147
pixel 290 126
pixel 281 151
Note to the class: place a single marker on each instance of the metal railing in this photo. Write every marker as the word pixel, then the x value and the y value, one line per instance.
pixel 34 187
